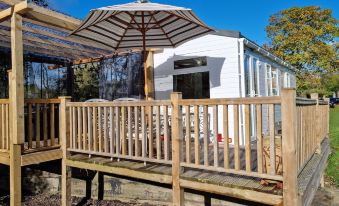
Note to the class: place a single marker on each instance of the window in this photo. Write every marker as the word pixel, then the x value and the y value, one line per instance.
pixel 247 75
pixel 192 86
pixel 287 80
pixel 254 71
pixel 268 80
pixel 189 63
pixel 275 82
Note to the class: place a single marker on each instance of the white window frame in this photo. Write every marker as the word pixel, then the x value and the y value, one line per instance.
pixel 268 80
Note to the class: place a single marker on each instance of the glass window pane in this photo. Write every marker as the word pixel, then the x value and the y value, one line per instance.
pixel 247 75
pixel 192 86
pixel 189 63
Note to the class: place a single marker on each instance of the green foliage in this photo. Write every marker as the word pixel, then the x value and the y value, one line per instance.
pixel 305 38
pixel 86 84
pixel 333 161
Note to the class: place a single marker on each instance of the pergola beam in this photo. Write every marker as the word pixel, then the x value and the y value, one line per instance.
pixel 11 2
pixel 51 17
pixel 18 8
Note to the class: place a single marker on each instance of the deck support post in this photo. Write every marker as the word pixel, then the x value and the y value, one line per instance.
pixel 16 94
pixel 177 154
pixel 100 186
pixel 290 169
pixel 66 171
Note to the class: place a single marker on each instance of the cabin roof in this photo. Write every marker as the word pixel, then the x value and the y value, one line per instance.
pixel 251 44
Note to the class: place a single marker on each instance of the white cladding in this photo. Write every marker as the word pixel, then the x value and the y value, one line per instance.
pixel 225 67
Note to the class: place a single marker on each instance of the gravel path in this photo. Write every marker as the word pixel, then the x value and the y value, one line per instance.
pixel 54 200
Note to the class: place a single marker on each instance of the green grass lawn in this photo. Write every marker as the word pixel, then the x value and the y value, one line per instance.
pixel 332 170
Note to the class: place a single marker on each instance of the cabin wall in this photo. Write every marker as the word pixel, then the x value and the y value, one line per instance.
pixel 222 65
pixel 285 78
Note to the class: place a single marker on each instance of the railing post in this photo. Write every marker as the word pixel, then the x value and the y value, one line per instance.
pixel 177 142
pixel 289 153
pixel 318 122
pixel 16 94
pixel 64 134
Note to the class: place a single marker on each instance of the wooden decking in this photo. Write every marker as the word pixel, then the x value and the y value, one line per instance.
pixel 247 188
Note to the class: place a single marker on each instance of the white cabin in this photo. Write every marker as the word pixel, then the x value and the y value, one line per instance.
pixel 224 64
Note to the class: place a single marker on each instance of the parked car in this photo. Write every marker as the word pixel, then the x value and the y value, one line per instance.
pixel 333 101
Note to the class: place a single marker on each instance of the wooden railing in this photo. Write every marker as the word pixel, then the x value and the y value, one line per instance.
pixel 130 130
pixel 41 123
pixel 211 124
pixel 4 124
pixel 312 128
pixel 256 137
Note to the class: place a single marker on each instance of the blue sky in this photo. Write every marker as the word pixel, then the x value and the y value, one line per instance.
pixel 248 16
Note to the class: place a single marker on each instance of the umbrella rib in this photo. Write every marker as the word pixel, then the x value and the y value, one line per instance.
pixel 162 29
pixel 164 20
pixel 122 36
pixel 133 19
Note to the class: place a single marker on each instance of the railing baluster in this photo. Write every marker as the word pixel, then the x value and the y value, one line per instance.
pixel 90 128
pixel 259 139
pixel 166 137
pixel 143 130
pixel 188 134
pixel 100 129
pixel 215 136
pixel 37 125
pixel 136 131
pixel 106 146
pixel 130 132
pixel 2 126
pixel 123 130
pixel 7 127
pixel 247 138
pixel 150 132
pixel 45 125
pixel 79 121
pixel 112 129
pixel 30 125
pixel 225 135
pixel 236 137
pixel 196 135
pixel 52 124
pixel 206 134
pixel 85 126
pixel 272 139
pixel 95 129
pixel 71 127
pixel 158 140
pixel 117 130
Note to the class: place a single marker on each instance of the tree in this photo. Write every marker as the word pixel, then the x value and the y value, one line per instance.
pixel 305 38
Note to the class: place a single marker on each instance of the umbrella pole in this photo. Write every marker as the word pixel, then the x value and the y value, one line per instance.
pixel 143 31
pixel 145 73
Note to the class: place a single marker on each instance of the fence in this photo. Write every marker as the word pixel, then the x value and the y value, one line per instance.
pixel 312 128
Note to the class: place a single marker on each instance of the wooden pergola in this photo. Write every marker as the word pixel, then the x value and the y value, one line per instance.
pixel 26 28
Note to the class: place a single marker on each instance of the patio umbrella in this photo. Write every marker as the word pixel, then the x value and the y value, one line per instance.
pixel 141 25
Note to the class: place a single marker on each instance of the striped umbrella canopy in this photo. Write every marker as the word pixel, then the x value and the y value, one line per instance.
pixel 141 25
